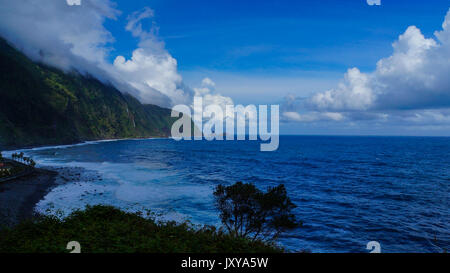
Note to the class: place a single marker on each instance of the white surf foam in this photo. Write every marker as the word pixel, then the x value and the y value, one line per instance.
pixel 129 186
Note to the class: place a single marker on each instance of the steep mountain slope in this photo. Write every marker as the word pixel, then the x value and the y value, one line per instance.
pixel 40 105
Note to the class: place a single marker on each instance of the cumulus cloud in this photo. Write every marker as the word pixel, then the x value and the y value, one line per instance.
pixel 151 68
pixel 207 86
pixel 211 106
pixel 208 93
pixel 353 93
pixel 415 77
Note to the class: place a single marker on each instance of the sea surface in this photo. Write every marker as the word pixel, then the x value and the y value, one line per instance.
pixel 349 190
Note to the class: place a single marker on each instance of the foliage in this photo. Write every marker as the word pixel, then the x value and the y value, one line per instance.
pixel 19 157
pixel 41 105
pixel 248 212
pixel 103 229
pixel 10 168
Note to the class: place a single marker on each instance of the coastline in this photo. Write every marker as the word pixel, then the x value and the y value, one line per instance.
pixel 19 197
pixel 81 142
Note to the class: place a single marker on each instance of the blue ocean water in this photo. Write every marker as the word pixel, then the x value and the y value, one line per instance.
pixel 349 190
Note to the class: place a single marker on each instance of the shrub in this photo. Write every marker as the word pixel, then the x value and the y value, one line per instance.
pixel 248 212
pixel 103 229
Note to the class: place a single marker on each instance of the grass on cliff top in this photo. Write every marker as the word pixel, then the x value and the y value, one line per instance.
pixel 103 229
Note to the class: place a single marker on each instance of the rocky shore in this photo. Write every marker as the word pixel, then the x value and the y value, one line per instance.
pixel 19 197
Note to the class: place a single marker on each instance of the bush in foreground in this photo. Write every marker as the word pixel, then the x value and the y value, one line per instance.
pixel 248 212
pixel 103 229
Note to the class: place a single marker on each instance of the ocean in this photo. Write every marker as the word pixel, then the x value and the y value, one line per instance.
pixel 349 190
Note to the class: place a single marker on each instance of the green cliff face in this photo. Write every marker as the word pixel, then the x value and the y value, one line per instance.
pixel 40 105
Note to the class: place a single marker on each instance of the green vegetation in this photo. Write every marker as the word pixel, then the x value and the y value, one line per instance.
pixel 40 105
pixel 248 212
pixel 20 165
pixel 102 229
pixel 19 157
pixel 249 216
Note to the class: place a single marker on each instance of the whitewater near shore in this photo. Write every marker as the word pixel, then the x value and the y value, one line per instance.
pixel 349 190
pixel 19 197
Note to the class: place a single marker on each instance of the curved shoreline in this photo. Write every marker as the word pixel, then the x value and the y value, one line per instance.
pixel 11 149
pixel 19 197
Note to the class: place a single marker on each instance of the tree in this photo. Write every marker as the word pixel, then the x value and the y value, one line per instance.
pixel 248 212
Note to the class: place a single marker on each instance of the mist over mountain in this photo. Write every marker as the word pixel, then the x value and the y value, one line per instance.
pixel 43 105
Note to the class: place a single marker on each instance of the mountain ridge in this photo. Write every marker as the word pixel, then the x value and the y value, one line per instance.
pixel 42 105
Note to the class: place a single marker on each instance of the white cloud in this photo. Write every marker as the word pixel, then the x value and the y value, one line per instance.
pixel 353 93
pixel 374 2
pixel 208 82
pixel 74 2
pixel 151 68
pixel 313 116
pixel 415 76
pixel 206 87
pixel 210 97
pixel 211 102
pixel 75 38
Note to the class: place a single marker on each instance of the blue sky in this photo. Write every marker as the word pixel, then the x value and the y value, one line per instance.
pixel 261 52
pixel 274 36
pixel 334 67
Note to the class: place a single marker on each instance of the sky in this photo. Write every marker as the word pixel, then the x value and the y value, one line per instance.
pixel 334 67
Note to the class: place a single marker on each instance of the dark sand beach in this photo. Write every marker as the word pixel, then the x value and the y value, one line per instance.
pixel 18 197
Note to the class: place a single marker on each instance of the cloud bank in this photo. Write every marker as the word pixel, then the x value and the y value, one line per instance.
pixel 71 35
pixel 412 84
